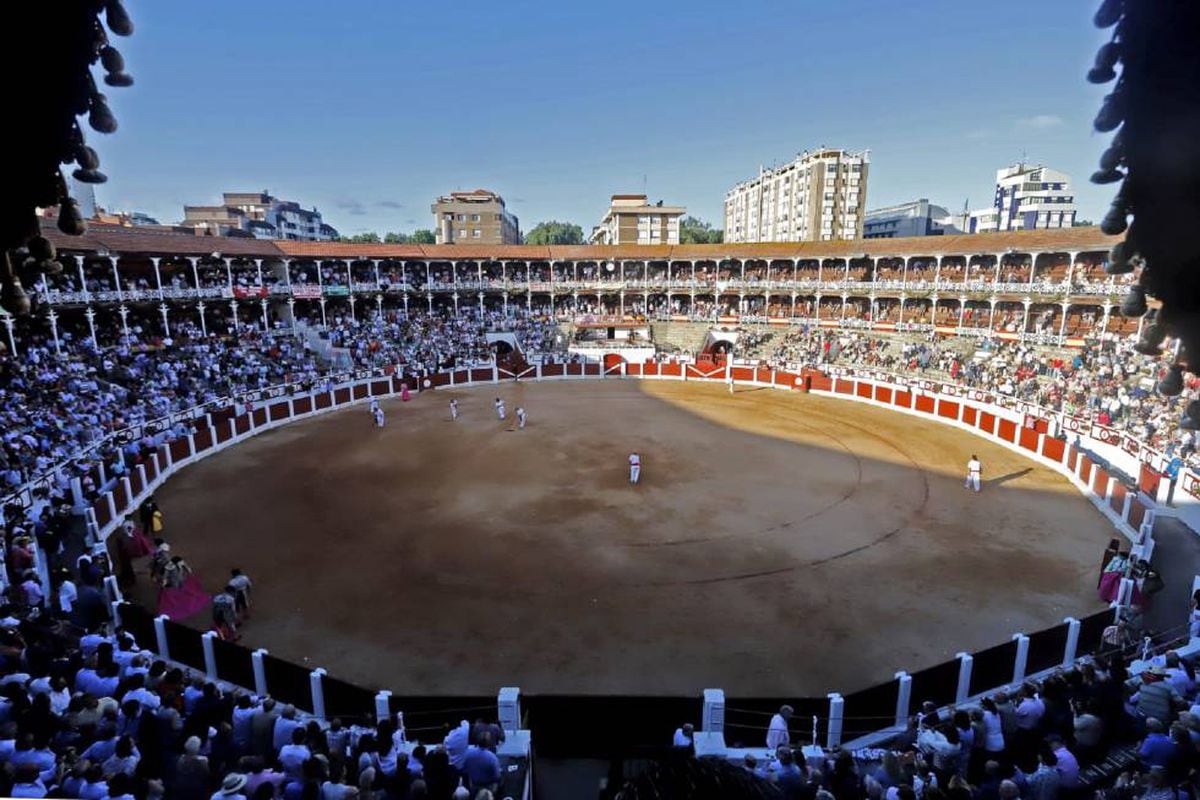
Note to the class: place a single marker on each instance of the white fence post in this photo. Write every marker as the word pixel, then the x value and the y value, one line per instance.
pixel 317 685
pixel 966 663
pixel 837 706
pixel 112 589
pixel 713 718
pixel 160 635
pixel 383 705
pixel 1125 593
pixel 903 698
pixel 210 656
pixel 260 672
pixel 1072 641
pixel 116 611
pixel 1022 659
pixel 508 708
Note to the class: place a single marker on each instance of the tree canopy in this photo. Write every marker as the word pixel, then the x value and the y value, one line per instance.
pixel 695 231
pixel 419 236
pixel 554 232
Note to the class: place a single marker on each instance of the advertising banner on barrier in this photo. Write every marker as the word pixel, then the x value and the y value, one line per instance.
pixel 247 292
pixel 1073 424
pixel 1105 435
pixel 1190 483
pixel 306 291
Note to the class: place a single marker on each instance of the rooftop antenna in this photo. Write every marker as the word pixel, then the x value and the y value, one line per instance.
pixel 643 183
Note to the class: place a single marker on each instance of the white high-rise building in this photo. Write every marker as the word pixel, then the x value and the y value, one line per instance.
pixel 1027 198
pixel 819 196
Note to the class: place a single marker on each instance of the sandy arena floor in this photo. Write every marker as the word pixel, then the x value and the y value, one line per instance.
pixel 779 544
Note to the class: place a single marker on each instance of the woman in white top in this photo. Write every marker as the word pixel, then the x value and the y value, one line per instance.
pixel 993 741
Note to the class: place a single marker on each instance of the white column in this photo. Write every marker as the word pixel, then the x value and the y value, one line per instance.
pixel 12 339
pixel 508 708
pixel 713 718
pixel 157 275
pixel 837 707
pixel 260 672
pixel 1072 641
pixel 966 663
pixel 160 635
pixel 210 656
pixel 1022 659
pixel 383 705
pixel 317 687
pixel 903 698
pixel 53 317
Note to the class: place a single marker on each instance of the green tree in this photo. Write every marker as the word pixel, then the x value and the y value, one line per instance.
pixel 361 238
pixel 422 236
pixel 553 232
pixel 695 231
pixel 391 237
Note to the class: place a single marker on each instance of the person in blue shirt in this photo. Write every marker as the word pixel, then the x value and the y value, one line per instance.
pixel 481 766
pixel 1157 749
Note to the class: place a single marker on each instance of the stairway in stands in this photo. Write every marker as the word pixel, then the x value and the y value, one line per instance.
pixel 675 336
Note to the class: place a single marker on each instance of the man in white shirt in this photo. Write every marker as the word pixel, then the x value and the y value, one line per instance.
pixel 635 467
pixel 777 731
pixel 500 408
pixel 521 417
pixel 974 468
pixel 453 409
pixel 292 756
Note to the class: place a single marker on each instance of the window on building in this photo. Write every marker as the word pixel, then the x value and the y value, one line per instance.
pixel 475 232
pixel 474 218
pixel 462 217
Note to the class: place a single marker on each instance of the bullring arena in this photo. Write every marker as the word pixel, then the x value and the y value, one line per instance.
pixel 780 543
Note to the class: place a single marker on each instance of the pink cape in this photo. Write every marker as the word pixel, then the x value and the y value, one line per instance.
pixel 186 601
pixel 1110 585
pixel 142 545
pixel 404 393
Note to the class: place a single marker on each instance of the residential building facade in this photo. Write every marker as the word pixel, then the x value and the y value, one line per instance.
pixel 918 218
pixel 1027 198
pixel 632 219
pixel 475 217
pixel 260 216
pixel 819 196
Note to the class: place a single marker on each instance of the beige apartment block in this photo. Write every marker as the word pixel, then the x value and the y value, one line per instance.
pixel 475 217
pixel 630 219
pixel 819 196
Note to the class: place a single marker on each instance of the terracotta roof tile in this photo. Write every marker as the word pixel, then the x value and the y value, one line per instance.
pixel 130 241
pixel 122 240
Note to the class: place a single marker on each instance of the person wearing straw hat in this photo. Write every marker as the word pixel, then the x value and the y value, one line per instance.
pixel 231 787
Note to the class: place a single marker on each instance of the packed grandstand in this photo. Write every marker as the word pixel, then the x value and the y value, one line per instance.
pixel 141 336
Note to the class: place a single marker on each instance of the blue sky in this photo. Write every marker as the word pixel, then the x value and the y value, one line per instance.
pixel 371 108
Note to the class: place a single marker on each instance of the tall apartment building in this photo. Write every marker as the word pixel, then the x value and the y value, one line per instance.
pixel 918 218
pixel 475 217
pixel 261 216
pixel 1026 198
pixel 631 219
pixel 818 196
